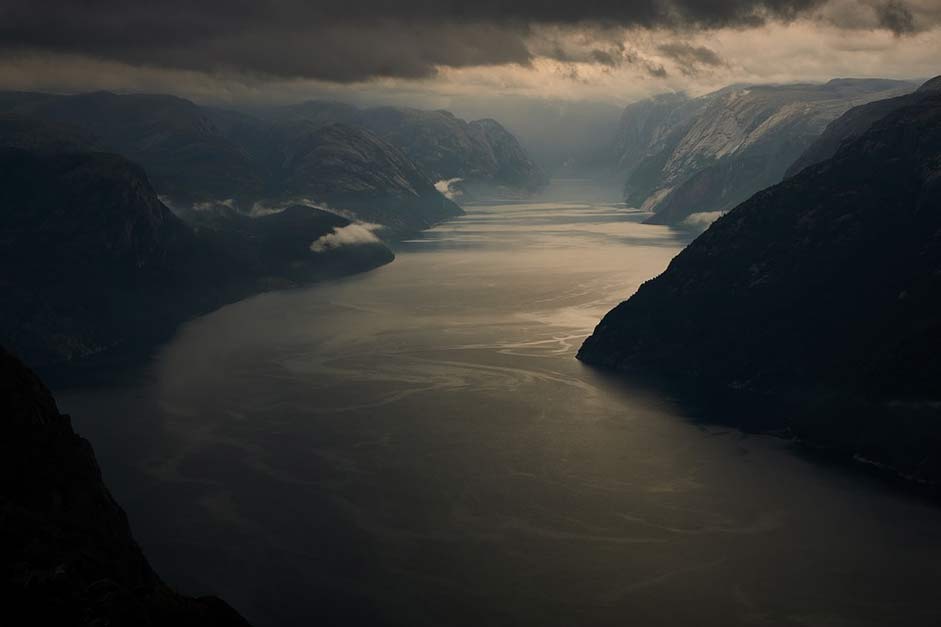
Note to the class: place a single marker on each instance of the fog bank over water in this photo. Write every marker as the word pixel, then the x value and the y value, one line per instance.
pixel 417 445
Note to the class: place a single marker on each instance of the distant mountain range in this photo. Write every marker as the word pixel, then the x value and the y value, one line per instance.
pixel 689 159
pixel 821 294
pixel 196 155
pixel 68 554
pixel 481 156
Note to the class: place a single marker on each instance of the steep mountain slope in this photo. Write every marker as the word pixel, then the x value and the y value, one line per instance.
pixel 481 153
pixel 647 132
pixel 84 240
pixel 854 123
pixel 68 554
pixel 512 167
pixel 352 169
pixel 824 288
pixel 91 261
pixel 95 209
pixel 446 147
pixel 706 155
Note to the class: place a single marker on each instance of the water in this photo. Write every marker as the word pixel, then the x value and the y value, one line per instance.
pixel 418 446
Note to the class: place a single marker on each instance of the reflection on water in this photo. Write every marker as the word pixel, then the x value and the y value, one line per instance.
pixel 418 446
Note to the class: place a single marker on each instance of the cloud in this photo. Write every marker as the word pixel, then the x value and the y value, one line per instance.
pixel 355 234
pixel 690 58
pixel 286 51
pixel 449 188
pixel 896 17
pixel 702 220
pixel 213 205
pixel 356 40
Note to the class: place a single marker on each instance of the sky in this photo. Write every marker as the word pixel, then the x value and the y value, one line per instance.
pixel 435 53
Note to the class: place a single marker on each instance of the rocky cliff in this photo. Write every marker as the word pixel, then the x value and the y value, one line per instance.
pixel 822 291
pixel 68 554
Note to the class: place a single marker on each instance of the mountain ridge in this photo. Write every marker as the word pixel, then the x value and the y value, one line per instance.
pixel 445 147
pixel 822 291
pixel 196 155
pixel 682 156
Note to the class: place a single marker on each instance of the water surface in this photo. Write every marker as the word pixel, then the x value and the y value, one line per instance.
pixel 418 446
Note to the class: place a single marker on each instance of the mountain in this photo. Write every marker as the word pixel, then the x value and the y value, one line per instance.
pixel 28 133
pixel 821 294
pixel 186 155
pixel 93 263
pixel 854 123
pixel 682 156
pixel 647 132
pixel 293 246
pixel 88 254
pixel 559 135
pixel 196 155
pixel 68 554
pixel 512 167
pixel 484 155
pixel 355 170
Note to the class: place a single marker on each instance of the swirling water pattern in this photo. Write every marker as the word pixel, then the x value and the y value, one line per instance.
pixel 418 446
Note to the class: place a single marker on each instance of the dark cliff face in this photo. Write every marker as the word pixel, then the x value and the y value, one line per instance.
pixel 854 123
pixel 94 209
pixel 824 286
pixel 83 235
pixel 682 156
pixel 68 557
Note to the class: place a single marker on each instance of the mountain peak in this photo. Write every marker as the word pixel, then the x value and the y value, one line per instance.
pixel 933 84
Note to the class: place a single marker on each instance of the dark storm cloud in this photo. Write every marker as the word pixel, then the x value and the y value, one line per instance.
pixel 690 58
pixel 605 57
pixel 350 40
pixel 896 17
pixel 690 54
